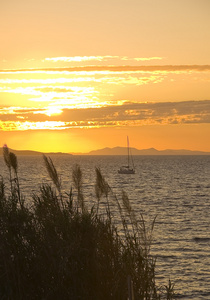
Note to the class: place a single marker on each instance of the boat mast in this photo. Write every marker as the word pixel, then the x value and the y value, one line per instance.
pixel 128 151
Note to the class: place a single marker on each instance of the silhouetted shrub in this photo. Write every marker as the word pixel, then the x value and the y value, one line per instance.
pixel 58 249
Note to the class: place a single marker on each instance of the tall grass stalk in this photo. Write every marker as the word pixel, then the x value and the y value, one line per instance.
pixel 78 184
pixel 12 165
pixel 58 249
pixel 52 172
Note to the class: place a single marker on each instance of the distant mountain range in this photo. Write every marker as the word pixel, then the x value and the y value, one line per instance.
pixel 31 152
pixel 115 151
pixel 150 151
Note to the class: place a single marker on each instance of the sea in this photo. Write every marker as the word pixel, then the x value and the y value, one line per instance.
pixel 174 189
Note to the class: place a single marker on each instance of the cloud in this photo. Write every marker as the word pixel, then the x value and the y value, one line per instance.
pixel 25 125
pixel 143 58
pixel 50 89
pixel 99 58
pixel 114 69
pixel 127 114
pixel 97 78
pixel 14 113
pixel 81 58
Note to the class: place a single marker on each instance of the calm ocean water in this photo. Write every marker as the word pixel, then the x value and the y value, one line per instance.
pixel 175 188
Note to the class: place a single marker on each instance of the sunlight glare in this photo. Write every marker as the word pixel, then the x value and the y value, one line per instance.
pixel 53 111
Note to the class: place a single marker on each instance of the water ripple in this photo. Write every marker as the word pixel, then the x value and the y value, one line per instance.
pixel 175 188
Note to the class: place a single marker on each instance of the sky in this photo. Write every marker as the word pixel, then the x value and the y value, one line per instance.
pixel 76 76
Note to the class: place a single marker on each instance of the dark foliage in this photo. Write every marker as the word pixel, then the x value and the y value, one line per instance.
pixel 59 250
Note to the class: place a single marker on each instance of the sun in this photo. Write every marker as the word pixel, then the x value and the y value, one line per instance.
pixel 53 110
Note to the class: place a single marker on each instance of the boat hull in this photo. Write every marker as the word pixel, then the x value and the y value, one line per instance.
pixel 126 171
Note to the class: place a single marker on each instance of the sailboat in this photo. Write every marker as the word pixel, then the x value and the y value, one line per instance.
pixel 128 169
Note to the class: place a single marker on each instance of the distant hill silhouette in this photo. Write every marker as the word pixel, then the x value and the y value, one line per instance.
pixel 31 152
pixel 150 151
pixel 113 151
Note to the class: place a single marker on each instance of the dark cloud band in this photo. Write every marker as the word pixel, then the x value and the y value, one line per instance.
pixel 128 113
pixel 163 68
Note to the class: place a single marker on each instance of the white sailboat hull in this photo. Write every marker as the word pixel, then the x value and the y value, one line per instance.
pixel 126 170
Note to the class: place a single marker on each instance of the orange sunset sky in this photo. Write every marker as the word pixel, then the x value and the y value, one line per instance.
pixel 76 76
